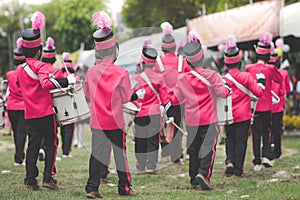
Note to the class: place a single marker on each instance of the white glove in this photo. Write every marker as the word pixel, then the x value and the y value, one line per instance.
pixel 261 79
pixel 170 120
pixel 71 79
pixel 141 93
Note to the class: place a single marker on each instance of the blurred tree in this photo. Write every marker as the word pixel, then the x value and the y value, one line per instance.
pixel 69 22
pixel 150 13
pixel 11 23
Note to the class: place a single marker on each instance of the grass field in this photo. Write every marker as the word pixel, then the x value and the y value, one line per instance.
pixel 172 182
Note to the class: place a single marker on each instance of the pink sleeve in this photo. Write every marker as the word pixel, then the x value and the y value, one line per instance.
pixel 287 83
pixel 276 74
pixel 253 86
pixel 86 87
pixel 43 74
pixel 219 86
pixel 164 93
pixel 125 88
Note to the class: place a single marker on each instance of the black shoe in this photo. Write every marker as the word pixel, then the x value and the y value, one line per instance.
pixel 32 187
pixel 204 182
pixel 94 195
pixel 52 184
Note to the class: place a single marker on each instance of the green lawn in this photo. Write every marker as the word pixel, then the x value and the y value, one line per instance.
pixel 172 181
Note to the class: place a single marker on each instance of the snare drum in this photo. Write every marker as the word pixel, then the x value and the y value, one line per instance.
pixel 70 104
pixel 130 110
pixel 224 110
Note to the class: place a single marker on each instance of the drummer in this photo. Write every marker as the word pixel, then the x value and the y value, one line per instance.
pixel 107 86
pixel 237 132
pixel 147 121
pixel 262 120
pixel 15 107
pixel 170 68
pixel 66 131
pixel 35 84
pixel 200 112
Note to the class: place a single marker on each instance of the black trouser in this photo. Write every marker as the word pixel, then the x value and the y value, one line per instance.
pixel 147 141
pixel 276 129
pixel 236 144
pixel 202 141
pixel 102 142
pixel 261 129
pixel 17 121
pixel 67 132
pixel 174 148
pixel 37 128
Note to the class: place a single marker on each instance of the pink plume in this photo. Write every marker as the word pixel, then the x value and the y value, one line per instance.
pixel 266 38
pixel 147 42
pixel 230 41
pixel 101 20
pixel 180 45
pixel 194 36
pixel 38 20
pixel 50 42
pixel 19 43
pixel 167 28
pixel 66 56
pixel 272 51
pixel 279 43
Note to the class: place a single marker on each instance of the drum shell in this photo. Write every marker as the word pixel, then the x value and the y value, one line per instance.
pixel 70 105
pixel 224 110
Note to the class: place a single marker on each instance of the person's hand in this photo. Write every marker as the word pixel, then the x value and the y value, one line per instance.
pixel 141 93
pixel 227 85
pixel 261 79
pixel 71 79
pixel 170 120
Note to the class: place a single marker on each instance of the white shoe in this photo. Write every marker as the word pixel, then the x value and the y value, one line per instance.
pixel 67 156
pixel 257 168
pixel 266 162
pixel 19 164
pixel 58 158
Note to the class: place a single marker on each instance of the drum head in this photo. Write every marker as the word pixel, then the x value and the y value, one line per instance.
pixel 168 131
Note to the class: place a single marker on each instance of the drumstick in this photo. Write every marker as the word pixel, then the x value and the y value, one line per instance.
pixel 56 71
pixel 169 121
pixel 184 133
pixel 65 67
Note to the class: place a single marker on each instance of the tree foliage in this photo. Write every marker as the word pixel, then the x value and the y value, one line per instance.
pixel 69 22
pixel 149 13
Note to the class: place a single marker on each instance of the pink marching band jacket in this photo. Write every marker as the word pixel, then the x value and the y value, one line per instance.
pixel 199 98
pixel 170 75
pixel 150 103
pixel 36 93
pixel 281 90
pixel 272 74
pixel 107 86
pixel 241 108
pixel 15 99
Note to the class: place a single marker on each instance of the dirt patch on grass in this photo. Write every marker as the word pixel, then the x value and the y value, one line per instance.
pixel 5 145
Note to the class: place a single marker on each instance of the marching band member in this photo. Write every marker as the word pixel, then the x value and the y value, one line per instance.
pixel 277 109
pixel 35 84
pixel 15 107
pixel 237 133
pixel 66 131
pixel 169 68
pixel 200 111
pixel 49 56
pixel 262 119
pixel 107 87
pixel 148 120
